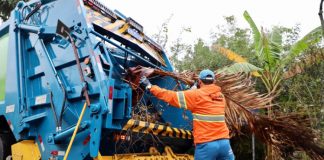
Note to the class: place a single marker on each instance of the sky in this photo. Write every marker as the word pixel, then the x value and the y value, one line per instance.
pixel 202 16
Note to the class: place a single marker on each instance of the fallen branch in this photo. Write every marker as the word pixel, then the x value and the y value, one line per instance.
pixel 284 133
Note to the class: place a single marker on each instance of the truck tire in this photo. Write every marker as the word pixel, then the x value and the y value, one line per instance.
pixel 5 146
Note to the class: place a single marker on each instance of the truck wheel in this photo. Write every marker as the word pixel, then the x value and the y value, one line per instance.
pixel 5 145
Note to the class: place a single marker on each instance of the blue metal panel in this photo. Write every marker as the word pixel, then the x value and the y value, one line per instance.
pixel 44 90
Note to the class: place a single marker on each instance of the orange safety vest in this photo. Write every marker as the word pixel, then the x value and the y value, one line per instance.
pixel 207 105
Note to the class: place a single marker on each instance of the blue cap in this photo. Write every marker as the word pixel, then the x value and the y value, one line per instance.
pixel 206 73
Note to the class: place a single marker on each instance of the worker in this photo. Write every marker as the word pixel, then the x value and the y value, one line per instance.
pixel 207 104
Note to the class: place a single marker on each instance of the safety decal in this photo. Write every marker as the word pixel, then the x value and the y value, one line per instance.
pixel 41 143
pixel 157 129
pixel 10 125
pixel 61 153
pixel 57 153
pixel 10 108
pixel 40 99
pixel 86 140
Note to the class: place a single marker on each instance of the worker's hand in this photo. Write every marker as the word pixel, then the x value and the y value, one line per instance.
pixel 145 82
pixel 194 86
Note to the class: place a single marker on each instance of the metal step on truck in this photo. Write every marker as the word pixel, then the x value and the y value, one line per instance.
pixel 64 92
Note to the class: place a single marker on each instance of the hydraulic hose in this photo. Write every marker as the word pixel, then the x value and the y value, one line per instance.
pixel 87 102
pixel 76 54
pixel 62 87
pixel 63 106
pixel 54 111
pixel 75 131
pixel 37 7
pixel 85 90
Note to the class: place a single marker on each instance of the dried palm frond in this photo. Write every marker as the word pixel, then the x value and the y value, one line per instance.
pixel 284 133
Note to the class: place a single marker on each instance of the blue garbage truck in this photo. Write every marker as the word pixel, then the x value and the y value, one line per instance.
pixel 63 87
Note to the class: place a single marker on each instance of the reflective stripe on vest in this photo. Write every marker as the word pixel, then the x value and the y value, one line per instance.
pixel 208 118
pixel 182 100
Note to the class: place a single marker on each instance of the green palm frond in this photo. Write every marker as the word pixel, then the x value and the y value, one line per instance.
pixel 276 43
pixel 239 68
pixel 267 48
pixel 235 57
pixel 266 56
pixel 299 47
pixel 255 30
pixel 276 36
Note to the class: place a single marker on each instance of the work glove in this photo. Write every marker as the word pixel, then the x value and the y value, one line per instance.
pixel 145 83
pixel 194 86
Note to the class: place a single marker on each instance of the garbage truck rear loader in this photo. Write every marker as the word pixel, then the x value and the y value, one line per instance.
pixel 57 56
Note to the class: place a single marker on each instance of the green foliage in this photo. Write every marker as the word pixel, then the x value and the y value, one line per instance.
pixel 180 48
pixel 267 46
pixel 197 57
pixel 276 43
pixel 4 40
pixel 270 49
pixel 273 59
pixel 242 147
pixel 269 52
pixel 6 7
pixel 255 31
pixel 303 94
pixel 162 36
pixel 2 89
pixel 232 37
pixel 239 68
pixel 200 58
pixel 299 47
pixel 290 36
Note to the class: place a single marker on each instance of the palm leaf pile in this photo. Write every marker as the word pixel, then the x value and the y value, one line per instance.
pixel 286 134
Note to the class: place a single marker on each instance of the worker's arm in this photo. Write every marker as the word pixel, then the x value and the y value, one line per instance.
pixel 180 99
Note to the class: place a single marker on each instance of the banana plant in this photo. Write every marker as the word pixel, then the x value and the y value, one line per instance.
pixel 270 54
pixel 240 67
pixel 241 64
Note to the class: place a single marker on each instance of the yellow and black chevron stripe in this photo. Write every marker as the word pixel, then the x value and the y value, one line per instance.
pixel 157 129
pixel 120 27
